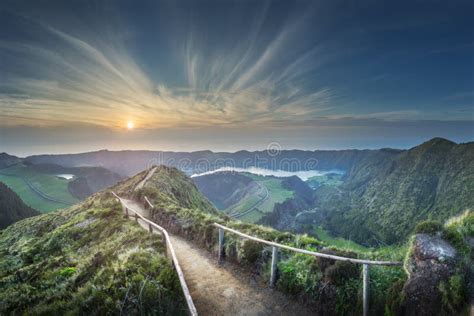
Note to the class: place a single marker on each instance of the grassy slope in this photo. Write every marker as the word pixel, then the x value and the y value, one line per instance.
pixel 277 194
pixel 383 199
pixel 12 208
pixel 87 259
pixel 330 179
pixel 338 242
pixel 184 210
pixel 48 184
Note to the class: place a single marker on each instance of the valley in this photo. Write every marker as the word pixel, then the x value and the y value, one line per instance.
pixel 44 192
pixel 318 210
pixel 47 187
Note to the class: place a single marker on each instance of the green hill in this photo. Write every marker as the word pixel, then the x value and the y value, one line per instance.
pixel 45 188
pixel 244 195
pixel 12 208
pixel 385 198
pixel 89 259
pixel 330 287
pixel 86 259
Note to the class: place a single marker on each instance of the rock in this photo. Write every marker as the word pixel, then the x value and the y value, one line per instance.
pixel 430 248
pixel 432 260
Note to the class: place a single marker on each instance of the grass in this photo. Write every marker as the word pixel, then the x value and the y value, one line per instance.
pixel 276 194
pixel 50 185
pixel 329 286
pixel 331 179
pixel 338 242
pixel 28 196
pixel 87 259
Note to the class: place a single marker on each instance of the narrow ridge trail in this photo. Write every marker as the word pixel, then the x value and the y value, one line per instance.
pixel 222 290
pixel 147 177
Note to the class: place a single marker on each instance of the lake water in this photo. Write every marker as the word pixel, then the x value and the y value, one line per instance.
pixel 303 175
pixel 65 176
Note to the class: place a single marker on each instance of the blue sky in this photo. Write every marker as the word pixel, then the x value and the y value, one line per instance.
pixel 230 75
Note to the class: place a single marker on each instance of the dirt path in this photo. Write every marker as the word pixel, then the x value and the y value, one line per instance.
pixel 221 290
pixel 148 176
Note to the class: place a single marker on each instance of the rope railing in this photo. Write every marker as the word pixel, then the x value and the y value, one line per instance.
pixel 170 251
pixel 275 249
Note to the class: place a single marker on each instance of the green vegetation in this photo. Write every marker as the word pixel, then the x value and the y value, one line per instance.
pixel 277 193
pixel 428 227
pixel 26 182
pixel 329 284
pixel 454 292
pixel 12 208
pixel 338 242
pixel 328 179
pixel 244 193
pixel 30 198
pixel 87 259
pixel 384 195
pixel 451 288
pixel 271 192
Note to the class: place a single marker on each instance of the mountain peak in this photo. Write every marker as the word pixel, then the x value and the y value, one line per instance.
pixel 434 143
pixel 438 141
pixel 170 187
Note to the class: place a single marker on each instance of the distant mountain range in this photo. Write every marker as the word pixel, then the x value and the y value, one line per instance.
pixel 381 198
pixel 130 162
pixel 382 195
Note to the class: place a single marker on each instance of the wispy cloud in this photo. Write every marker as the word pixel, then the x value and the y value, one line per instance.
pixel 79 80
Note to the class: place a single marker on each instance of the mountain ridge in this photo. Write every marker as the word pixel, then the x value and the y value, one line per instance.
pixel 12 208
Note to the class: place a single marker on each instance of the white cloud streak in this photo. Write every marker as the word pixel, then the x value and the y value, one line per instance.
pixel 78 81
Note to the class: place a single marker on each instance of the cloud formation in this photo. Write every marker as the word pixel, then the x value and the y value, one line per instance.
pixel 306 74
pixel 68 79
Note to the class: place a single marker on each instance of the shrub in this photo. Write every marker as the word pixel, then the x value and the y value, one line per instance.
pixel 340 272
pixel 250 251
pixel 428 227
pixel 453 294
pixel 455 238
pixel 67 272
pixel 299 274
pixel 463 222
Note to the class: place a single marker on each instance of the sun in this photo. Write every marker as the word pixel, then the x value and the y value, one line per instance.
pixel 130 125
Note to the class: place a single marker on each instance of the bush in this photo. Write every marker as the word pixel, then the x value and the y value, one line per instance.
pixel 455 238
pixel 250 251
pixel 453 294
pixel 299 274
pixel 67 272
pixel 340 272
pixel 428 227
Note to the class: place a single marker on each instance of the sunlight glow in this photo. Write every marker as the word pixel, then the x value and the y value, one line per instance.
pixel 130 125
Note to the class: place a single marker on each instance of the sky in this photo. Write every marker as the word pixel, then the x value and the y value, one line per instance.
pixel 230 75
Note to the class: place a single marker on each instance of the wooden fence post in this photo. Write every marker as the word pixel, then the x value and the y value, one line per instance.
pixel 221 245
pixel 274 266
pixel 126 212
pixel 136 217
pixel 150 228
pixel 365 293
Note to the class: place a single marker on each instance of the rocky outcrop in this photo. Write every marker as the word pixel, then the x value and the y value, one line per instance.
pixel 431 261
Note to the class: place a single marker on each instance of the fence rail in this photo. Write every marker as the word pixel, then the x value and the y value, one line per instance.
pixel 169 250
pixel 275 250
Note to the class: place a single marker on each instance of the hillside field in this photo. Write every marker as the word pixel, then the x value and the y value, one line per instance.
pixel 271 192
pixel 24 181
